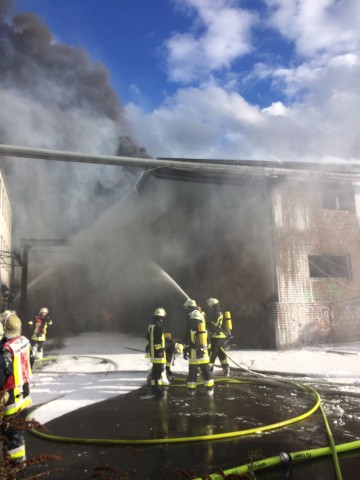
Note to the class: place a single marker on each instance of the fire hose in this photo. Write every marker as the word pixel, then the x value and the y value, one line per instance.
pixel 282 458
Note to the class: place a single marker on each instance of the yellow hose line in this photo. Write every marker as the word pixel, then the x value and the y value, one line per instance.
pixel 284 459
pixel 199 438
pixel 333 448
pixel 332 445
pixel 297 456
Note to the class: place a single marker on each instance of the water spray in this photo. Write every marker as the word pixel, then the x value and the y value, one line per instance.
pixel 170 279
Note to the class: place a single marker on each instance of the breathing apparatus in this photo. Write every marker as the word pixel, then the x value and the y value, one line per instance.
pixel 201 327
pixel 228 321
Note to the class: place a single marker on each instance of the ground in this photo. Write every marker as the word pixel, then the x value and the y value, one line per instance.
pixel 91 390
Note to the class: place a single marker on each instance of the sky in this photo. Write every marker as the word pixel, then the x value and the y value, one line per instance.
pixel 225 79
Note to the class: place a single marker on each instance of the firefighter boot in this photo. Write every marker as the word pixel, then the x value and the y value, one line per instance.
pixel 226 370
pixel 169 374
pixel 210 391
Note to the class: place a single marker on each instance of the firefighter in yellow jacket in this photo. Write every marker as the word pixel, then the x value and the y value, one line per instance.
pixel 15 391
pixel 42 321
pixel 219 328
pixel 196 351
pixel 156 339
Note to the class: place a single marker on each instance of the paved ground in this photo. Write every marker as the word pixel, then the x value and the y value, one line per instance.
pixel 239 405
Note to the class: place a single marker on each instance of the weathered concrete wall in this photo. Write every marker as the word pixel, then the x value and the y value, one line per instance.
pixel 312 310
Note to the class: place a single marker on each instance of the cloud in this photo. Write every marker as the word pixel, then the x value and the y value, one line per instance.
pixel 221 34
pixel 317 26
pixel 312 89
pixel 211 122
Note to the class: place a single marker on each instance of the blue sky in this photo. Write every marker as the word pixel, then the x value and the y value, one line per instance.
pixel 261 79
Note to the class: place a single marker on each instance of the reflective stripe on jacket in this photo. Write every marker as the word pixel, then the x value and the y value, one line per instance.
pixel 157 342
pixel 215 324
pixel 198 355
pixel 17 383
pixel 41 326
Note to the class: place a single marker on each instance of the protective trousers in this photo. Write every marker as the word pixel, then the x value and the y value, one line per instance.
pixel 156 376
pixel 12 431
pixel 217 351
pixel 191 382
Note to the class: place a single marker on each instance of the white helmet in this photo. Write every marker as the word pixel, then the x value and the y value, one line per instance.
pixel 196 315
pixel 210 302
pixel 43 310
pixel 190 303
pixel 160 312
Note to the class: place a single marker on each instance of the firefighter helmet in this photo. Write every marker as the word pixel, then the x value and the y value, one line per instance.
pixel 12 326
pixel 210 302
pixel 5 314
pixel 179 348
pixel 196 315
pixel 190 303
pixel 43 310
pixel 160 312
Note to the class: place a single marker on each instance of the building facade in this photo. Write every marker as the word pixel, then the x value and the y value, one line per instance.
pixel 278 245
pixel 5 233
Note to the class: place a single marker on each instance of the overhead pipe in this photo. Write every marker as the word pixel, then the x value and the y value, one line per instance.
pixel 220 167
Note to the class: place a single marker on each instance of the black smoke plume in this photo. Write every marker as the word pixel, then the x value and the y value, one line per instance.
pixel 54 96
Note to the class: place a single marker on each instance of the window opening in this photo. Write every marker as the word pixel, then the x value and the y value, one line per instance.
pixel 329 266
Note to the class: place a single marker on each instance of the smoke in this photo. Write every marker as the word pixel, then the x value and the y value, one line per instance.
pixel 54 96
pixel 123 249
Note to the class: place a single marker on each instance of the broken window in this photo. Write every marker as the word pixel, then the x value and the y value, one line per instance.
pixel 329 266
pixel 338 197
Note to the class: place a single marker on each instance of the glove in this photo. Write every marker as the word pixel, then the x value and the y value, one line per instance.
pixel 228 335
pixel 186 354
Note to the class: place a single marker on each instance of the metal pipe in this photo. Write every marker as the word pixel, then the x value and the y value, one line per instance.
pixel 219 167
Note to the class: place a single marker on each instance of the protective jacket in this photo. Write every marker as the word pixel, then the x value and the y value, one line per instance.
pixel 156 340
pixel 17 360
pixel 41 326
pixel 215 322
pixel 197 351
pixel 3 369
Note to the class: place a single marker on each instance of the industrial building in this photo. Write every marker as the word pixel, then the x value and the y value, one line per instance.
pixel 277 243
pixel 5 233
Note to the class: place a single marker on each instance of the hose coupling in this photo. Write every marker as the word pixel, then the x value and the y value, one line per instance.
pixel 285 457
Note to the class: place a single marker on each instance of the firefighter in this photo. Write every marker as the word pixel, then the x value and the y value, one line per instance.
pixel 2 358
pixel 173 348
pixel 42 321
pixel 156 339
pixel 196 351
pixel 7 298
pixel 219 331
pixel 15 392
